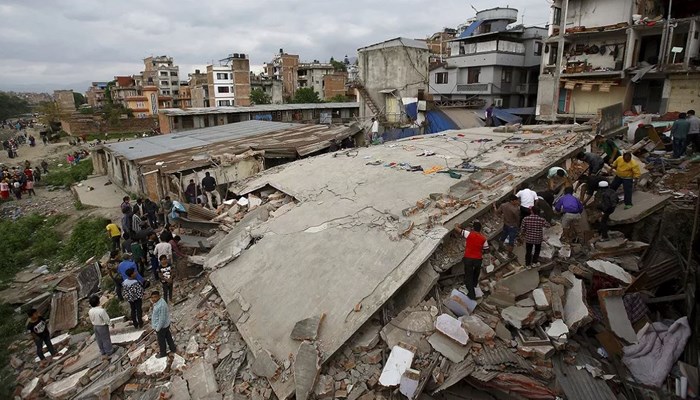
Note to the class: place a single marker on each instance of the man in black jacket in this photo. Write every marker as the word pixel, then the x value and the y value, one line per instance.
pixel 607 200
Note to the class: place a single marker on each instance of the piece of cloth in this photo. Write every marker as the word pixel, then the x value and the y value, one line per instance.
pixel 474 245
pixel 472 270
pixel 165 337
pixel 510 213
pixel 532 253
pixel 527 198
pixel 113 230
pixel 533 228
pixel 568 203
pixel 98 316
pixel 625 169
pixel 652 358
pixel 627 187
pixel 103 339
pixel 680 129
pixel 160 317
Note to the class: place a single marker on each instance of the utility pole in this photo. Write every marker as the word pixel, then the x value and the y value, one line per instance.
pixel 560 56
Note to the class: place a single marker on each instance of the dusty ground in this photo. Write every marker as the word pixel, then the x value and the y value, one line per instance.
pixel 52 151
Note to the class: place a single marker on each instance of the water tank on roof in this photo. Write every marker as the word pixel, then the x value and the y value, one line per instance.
pixel 498 13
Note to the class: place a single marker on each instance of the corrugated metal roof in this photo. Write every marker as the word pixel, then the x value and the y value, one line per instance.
pixel 256 108
pixel 580 384
pixel 162 144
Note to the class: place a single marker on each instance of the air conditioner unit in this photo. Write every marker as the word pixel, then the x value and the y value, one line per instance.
pixel 498 102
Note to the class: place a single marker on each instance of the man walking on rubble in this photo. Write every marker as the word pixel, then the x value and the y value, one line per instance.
pixel 160 321
pixel 606 200
pixel 527 197
pixel 509 211
pixel 626 171
pixel 679 134
pixel 571 208
pixel 533 228
pixel 209 186
pixel 133 293
pixel 474 247
pixel 594 161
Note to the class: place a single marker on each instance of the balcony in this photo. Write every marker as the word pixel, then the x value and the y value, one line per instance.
pixel 474 88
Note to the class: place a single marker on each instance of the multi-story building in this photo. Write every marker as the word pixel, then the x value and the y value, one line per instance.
pixel 124 87
pixel 185 95
pixel 219 86
pixel 96 94
pixel 199 89
pixel 284 67
pixel 240 65
pixel 334 84
pixel 269 86
pixel 161 72
pixel 65 100
pixel 311 75
pixel 639 53
pixel 439 44
pixel 491 62
pixel 388 72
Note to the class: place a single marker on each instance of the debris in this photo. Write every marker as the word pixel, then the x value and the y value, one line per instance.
pixel 610 269
pixel 576 312
pixel 518 316
pixel 400 359
pixel 459 303
pixel 522 282
pixel 264 365
pixel 613 309
pixel 477 329
pixel 448 348
pixel 409 382
pixel 64 311
pixel 307 365
pixel 65 387
pixel 29 388
pixel 557 330
pixel 153 365
pixel 452 328
pixel 540 298
pixel 128 337
pixel 307 329
pixel 201 380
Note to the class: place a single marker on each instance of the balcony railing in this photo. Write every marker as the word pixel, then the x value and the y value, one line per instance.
pixel 473 88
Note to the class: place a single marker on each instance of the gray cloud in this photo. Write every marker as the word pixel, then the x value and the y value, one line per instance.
pixel 68 43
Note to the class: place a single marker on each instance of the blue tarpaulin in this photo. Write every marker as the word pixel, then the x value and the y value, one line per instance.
pixel 470 29
pixel 412 110
pixel 438 122
pixel 399 133
pixel 507 117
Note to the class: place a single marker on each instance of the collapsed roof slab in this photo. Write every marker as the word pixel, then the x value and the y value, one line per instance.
pixel 340 251
pixel 645 204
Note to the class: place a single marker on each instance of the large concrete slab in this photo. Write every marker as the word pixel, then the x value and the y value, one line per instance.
pixel 645 204
pixel 98 191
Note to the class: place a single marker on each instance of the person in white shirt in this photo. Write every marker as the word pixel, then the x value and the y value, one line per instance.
pixel 163 249
pixel 375 129
pixel 100 321
pixel 694 132
pixel 527 199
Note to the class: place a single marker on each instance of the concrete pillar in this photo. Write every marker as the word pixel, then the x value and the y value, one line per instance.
pixel 665 95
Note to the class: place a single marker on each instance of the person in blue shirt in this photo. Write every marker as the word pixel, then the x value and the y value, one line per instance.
pixel 572 208
pixel 160 321
pixel 127 264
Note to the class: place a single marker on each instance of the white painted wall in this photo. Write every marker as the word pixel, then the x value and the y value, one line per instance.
pixel 598 12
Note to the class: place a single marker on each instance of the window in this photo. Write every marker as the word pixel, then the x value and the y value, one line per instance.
pixel 485 28
pixel 506 75
pixel 163 73
pixel 176 92
pixel 166 92
pixel 173 73
pixel 538 48
pixel 556 20
pixel 441 78
pixel 221 75
pixel 223 103
pixel 473 74
pixel 553 50
pixel 165 83
pixel 222 89
pixel 175 83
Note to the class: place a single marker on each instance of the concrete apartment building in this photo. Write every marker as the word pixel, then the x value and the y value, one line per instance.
pixel 161 72
pixel 124 88
pixel 491 61
pixel 272 87
pixel 199 89
pixel 284 67
pixel 600 53
pixel 185 95
pixel 388 72
pixel 220 86
pixel 95 94
pixel 311 75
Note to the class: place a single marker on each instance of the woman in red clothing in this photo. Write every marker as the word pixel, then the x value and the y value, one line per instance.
pixel 4 190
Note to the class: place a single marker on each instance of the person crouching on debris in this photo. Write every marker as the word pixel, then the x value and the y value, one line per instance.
pixel 100 322
pixel 165 274
pixel 572 208
pixel 509 211
pixel 533 229
pixel 607 200
pixel 474 247
pixel 588 186
pixel 594 161
pixel 160 321
pixel 38 327
pixel 133 293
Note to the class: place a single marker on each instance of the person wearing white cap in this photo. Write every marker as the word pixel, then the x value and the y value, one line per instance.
pixel 607 200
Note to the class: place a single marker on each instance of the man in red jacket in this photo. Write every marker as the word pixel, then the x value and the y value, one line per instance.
pixel 474 248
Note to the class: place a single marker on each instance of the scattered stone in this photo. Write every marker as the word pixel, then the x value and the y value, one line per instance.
pixel 522 282
pixel 357 391
pixel 409 382
pixel 459 303
pixel 192 346
pixel 307 365
pixel 153 365
pixel 452 328
pixel 65 387
pixel 201 380
pixel 478 330
pixel 400 359
pixel 178 389
pixel 136 354
pixel 210 356
pixel 611 270
pixel 366 338
pixel 503 333
pixel 124 338
pixel 178 363
pixel 576 312
pixel 264 365
pixel 373 357
pixel 517 316
pixel 307 329
pixel 29 388
pixel 557 330
pixel 325 387
pixel 540 298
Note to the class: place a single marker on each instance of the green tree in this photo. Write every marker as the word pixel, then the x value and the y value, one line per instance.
pixel 79 99
pixel 258 96
pixel 12 106
pixel 338 98
pixel 338 65
pixel 50 113
pixel 305 95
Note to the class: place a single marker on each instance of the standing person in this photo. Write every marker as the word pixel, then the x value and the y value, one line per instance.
pixel 37 174
pixel 151 254
pixel 209 185
pixel 100 323
pixel 139 257
pixel 126 265
pixel 160 321
pixel 374 130
pixel 679 134
pixel 626 171
pixel 509 211
pixel 572 208
pixel 4 189
pixel 133 293
pixel 38 327
pixel 138 208
pixel 191 192
pixel 606 200
pixel 609 148
pixel 594 161
pixel 177 254
pixel 114 234
pixel 164 248
pixel 166 205
pixel 694 131
pixel 527 199
pixel 126 205
pixel 150 208
pixel 489 114
pixel 113 268
pixel 44 137
pixel 126 244
pixel 45 166
pixel 17 188
pixel 474 247
pixel 165 274
pixel 533 228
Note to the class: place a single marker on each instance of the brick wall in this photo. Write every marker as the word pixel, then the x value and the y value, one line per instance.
pixel 334 85
pixel 685 93
pixel 79 124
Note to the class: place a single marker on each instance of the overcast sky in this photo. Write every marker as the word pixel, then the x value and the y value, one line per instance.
pixel 46 45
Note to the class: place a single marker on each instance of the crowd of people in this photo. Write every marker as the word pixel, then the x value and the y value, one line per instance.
pixel 18 181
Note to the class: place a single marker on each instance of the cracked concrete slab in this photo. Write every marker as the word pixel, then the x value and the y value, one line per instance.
pixel 307 365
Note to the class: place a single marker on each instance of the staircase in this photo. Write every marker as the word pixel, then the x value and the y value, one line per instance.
pixel 376 111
